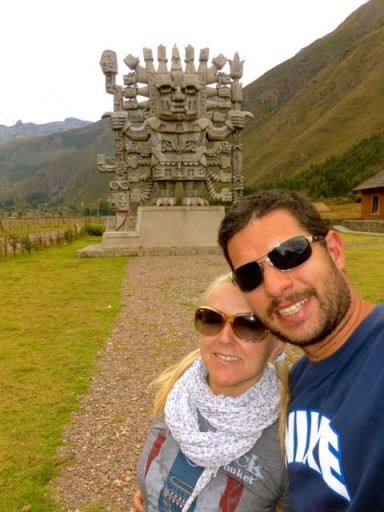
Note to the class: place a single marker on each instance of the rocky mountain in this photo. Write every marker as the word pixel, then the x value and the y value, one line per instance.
pixel 21 129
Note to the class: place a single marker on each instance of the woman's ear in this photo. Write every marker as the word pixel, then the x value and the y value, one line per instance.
pixel 278 348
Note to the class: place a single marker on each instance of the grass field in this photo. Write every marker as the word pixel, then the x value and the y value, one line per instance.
pixel 365 265
pixel 56 313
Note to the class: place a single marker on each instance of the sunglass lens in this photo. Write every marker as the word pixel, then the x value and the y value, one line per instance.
pixel 249 328
pixel 208 322
pixel 248 276
pixel 291 253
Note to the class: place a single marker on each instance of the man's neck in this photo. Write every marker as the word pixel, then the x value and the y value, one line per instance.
pixel 356 313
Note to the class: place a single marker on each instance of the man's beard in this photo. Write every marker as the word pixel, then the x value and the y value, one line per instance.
pixel 334 301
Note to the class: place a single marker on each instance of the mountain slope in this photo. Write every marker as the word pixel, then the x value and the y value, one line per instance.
pixel 58 168
pixel 319 103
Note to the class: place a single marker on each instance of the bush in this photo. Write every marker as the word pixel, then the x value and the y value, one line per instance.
pixel 68 235
pixel 94 229
pixel 14 242
pixel 26 244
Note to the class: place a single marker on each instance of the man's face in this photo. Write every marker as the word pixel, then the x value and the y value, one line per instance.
pixel 302 305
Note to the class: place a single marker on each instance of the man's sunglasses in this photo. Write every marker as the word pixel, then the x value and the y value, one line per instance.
pixel 285 256
pixel 246 326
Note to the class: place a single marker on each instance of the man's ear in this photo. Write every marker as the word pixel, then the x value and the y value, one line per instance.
pixel 336 248
pixel 278 348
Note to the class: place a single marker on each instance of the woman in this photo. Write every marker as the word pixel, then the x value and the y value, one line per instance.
pixel 214 443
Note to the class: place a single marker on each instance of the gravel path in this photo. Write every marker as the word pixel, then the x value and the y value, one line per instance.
pixel 153 330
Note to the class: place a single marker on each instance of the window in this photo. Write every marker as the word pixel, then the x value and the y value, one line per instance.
pixel 375 205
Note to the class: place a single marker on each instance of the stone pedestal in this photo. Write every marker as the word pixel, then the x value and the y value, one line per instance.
pixel 162 229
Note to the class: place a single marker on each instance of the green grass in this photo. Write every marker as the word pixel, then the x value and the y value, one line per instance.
pixel 56 313
pixel 365 265
pixel 342 211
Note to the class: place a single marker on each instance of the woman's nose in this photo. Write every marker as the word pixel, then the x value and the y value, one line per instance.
pixel 227 334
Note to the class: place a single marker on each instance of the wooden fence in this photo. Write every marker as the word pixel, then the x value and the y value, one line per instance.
pixel 18 235
pixel 37 224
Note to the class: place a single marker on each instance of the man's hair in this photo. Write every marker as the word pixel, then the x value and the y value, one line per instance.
pixel 261 203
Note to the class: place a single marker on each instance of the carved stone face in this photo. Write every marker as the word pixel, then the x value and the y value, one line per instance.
pixel 178 96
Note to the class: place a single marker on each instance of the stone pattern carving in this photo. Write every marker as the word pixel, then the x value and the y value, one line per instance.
pixel 186 129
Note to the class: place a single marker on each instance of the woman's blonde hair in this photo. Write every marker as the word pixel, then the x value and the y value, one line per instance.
pixel 282 372
pixel 166 380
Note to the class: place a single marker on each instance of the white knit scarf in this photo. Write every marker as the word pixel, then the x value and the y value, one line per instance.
pixel 238 422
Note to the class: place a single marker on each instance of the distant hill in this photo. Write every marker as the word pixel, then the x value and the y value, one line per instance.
pixel 57 169
pixel 21 129
pixel 320 113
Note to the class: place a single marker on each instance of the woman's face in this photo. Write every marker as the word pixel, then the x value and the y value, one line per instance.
pixel 233 365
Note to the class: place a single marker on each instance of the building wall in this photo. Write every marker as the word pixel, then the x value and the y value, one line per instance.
pixel 367 198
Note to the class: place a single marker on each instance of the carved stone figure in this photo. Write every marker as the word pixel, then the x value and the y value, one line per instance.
pixel 176 125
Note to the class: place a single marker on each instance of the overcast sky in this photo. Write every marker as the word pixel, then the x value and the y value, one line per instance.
pixel 50 50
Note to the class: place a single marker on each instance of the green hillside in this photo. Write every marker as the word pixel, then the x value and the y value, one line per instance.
pixel 56 169
pixel 337 176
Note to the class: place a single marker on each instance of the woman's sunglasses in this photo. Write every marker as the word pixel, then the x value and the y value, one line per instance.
pixel 285 256
pixel 246 326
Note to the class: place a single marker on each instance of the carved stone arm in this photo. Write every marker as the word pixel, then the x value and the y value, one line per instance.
pixel 236 119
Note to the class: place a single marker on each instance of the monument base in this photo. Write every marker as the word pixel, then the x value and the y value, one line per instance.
pixel 164 230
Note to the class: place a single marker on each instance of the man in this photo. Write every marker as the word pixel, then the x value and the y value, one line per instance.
pixel 291 267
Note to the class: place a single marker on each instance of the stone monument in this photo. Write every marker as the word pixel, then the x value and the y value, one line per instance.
pixel 177 147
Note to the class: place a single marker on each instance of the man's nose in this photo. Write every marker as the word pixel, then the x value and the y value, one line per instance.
pixel 276 283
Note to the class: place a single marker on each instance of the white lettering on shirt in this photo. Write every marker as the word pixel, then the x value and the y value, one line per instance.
pixel 311 441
